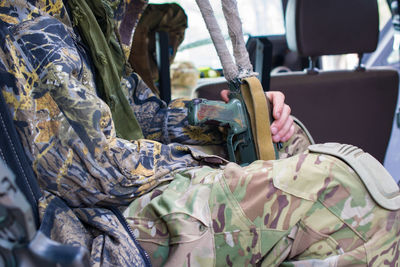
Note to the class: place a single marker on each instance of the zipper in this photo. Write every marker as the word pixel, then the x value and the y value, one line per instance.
pixel 121 218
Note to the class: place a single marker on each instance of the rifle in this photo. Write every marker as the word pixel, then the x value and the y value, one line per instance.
pixel 246 115
pixel 245 143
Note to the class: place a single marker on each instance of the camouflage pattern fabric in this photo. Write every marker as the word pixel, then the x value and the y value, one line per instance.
pixel 67 129
pixel 69 136
pixel 308 210
pixel 169 18
pixel 184 77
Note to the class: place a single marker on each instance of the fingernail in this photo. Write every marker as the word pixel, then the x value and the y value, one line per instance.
pixel 276 138
pixel 274 130
pixel 278 115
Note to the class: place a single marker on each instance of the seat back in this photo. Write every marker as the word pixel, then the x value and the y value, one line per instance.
pixel 347 106
pixel 344 106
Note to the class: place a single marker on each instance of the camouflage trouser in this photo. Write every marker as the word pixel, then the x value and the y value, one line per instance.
pixel 310 209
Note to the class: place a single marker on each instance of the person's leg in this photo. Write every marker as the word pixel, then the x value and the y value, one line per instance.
pixel 222 217
pixel 309 207
pixel 173 222
pixel 345 226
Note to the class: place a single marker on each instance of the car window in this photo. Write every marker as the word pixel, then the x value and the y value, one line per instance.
pixel 259 17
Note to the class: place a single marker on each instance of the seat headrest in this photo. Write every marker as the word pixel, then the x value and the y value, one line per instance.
pixel 332 27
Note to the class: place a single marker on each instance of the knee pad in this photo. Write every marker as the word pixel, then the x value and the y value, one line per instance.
pixel 375 177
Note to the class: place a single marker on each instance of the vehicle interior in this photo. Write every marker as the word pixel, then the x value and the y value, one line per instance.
pixel 336 61
pixel 342 100
pixel 338 73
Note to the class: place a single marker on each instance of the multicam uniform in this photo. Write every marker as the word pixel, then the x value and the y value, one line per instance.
pixel 307 209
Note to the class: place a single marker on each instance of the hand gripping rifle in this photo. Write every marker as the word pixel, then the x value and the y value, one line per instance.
pixel 246 115
pixel 245 143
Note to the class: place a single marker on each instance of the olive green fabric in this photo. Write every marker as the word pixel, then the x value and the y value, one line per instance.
pixel 93 18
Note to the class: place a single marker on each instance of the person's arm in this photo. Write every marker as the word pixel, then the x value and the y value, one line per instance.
pixel 167 124
pixel 67 130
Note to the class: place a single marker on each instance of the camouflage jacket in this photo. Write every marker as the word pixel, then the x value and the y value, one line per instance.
pixel 69 136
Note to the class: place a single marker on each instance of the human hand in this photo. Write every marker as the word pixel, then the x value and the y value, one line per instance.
pixel 282 128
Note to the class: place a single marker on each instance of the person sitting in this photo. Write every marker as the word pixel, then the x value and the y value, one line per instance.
pixel 101 142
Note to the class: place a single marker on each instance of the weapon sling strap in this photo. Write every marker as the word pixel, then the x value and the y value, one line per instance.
pixel 258 109
pixel 253 94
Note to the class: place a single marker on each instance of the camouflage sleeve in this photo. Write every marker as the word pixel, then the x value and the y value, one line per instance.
pixel 166 124
pixel 67 130
pixel 298 143
pixel 169 123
